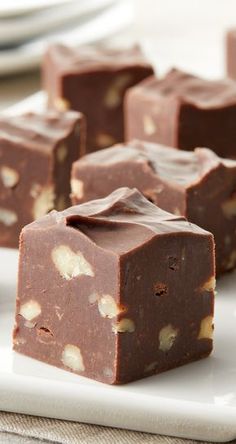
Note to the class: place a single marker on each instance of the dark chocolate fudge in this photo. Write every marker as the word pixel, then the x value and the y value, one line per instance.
pixel 184 111
pixel 198 185
pixel 36 154
pixel 94 80
pixel 115 289
pixel 231 53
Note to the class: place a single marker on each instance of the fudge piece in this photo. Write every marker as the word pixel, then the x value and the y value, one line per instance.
pixel 184 111
pixel 36 154
pixel 198 185
pixel 93 81
pixel 231 53
pixel 114 279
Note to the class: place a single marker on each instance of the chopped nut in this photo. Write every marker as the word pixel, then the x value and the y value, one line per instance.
pixel 19 341
pixel 206 328
pixel 72 358
pixel 104 140
pixel 61 203
pixel 149 125
pixel 229 207
pixel 167 337
pixel 70 264
pixel 160 289
pixel 8 217
pixel 177 211
pixel 9 176
pixel 108 372
pixel 159 189
pixel 77 130
pixel 209 285
pixel 232 261
pixel 125 325
pixel 58 312
pixel 150 367
pixel 61 153
pixel 61 104
pixel 35 190
pixel 112 98
pixel 93 298
pixel 108 307
pixel 77 188
pixel 30 310
pixel 29 324
pixel 114 95
pixel 44 202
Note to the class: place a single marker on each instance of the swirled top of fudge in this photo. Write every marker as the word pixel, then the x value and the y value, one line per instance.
pixel 184 168
pixel 121 221
pixel 37 131
pixel 188 88
pixel 95 58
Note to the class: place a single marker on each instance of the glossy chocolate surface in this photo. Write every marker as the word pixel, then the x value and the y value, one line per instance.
pixel 183 111
pixel 36 154
pixel 94 81
pixel 198 185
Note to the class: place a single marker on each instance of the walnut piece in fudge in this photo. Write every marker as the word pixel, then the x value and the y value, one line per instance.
pixel 115 278
pixel 36 154
pixel 183 111
pixel 197 185
pixel 94 81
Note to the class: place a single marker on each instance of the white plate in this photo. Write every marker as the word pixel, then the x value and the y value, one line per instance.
pixel 101 26
pixel 197 401
pixel 13 8
pixel 15 31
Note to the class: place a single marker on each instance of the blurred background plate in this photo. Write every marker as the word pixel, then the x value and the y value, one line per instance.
pixel 16 31
pixel 13 8
pixel 85 23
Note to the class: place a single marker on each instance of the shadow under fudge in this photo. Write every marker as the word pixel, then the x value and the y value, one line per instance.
pixel 183 111
pixel 36 154
pixel 94 80
pixel 198 185
pixel 115 289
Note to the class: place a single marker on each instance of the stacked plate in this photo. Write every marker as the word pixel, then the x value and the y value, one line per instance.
pixel 27 26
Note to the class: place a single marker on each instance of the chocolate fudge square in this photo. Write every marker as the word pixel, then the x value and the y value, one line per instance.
pixel 198 185
pixel 36 154
pixel 94 80
pixel 121 289
pixel 231 53
pixel 184 111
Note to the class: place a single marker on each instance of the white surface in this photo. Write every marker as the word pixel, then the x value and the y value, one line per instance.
pixel 195 401
pixel 99 26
